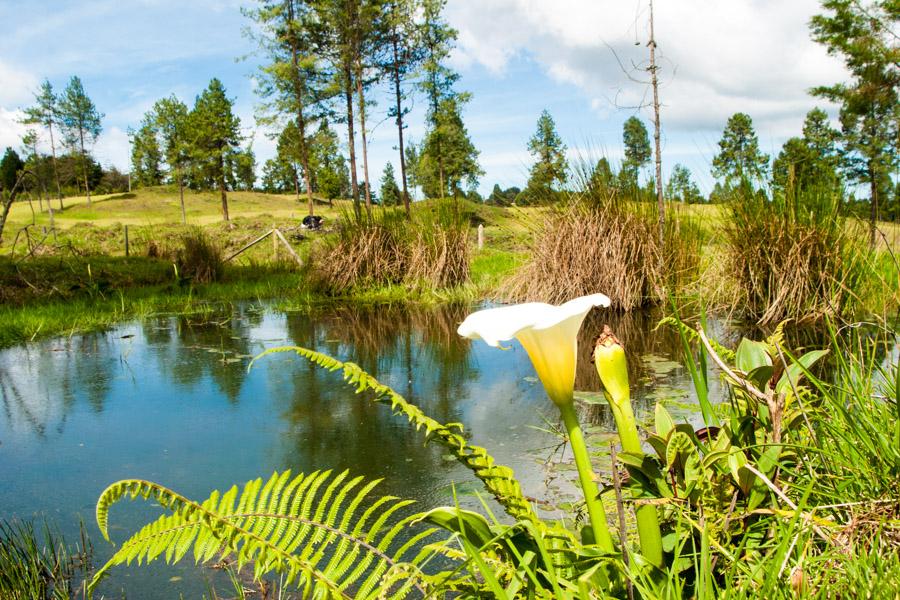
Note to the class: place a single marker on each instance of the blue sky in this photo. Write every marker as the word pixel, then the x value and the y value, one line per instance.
pixel 517 57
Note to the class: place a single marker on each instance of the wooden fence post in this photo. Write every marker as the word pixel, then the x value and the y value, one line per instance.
pixel 480 236
pixel 127 249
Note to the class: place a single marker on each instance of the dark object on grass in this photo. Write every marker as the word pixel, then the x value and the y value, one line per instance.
pixel 311 222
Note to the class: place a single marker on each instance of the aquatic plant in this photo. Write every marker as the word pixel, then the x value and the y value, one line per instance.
pixel 39 565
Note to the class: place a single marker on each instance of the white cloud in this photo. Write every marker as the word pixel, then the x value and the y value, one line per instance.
pixel 11 130
pixel 17 85
pixel 716 57
pixel 113 148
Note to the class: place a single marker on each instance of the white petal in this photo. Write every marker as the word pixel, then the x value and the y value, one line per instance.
pixel 494 325
pixel 578 306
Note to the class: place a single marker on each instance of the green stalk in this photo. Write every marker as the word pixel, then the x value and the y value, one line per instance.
pixel 596 512
pixel 609 358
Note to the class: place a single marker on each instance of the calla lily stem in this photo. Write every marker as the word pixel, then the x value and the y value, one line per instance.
pixel 596 512
pixel 609 358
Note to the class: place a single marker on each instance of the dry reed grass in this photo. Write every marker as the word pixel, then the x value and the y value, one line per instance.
pixel 789 263
pixel 432 250
pixel 607 246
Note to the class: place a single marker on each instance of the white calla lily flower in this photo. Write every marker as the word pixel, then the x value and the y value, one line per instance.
pixel 548 333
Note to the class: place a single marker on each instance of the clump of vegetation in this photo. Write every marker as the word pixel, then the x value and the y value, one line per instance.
pixel 431 249
pixel 200 259
pixel 791 256
pixel 598 242
pixel 38 566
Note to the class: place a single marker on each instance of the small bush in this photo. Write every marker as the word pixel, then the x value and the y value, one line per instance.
pixel 791 256
pixel 432 249
pixel 199 258
pixel 597 242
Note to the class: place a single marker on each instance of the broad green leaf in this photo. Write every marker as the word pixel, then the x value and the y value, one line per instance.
pixel 469 525
pixel 664 421
pixel 751 355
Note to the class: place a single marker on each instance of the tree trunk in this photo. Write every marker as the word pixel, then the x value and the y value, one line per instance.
pixel 362 127
pixel 87 186
pixel 296 185
pixel 181 196
pixel 298 96
pixel 55 168
pixel 9 199
pixel 400 124
pixel 873 203
pixel 222 191
pixel 351 142
pixel 660 201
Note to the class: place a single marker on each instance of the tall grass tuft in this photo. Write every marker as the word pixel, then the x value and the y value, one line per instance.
pixel 431 250
pixel 791 255
pixel 39 565
pixel 200 258
pixel 597 240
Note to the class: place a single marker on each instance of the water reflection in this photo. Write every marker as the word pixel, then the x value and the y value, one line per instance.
pixel 171 399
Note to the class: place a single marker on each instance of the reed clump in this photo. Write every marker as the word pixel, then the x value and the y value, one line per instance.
pixel 430 250
pixel 597 240
pixel 199 258
pixel 791 256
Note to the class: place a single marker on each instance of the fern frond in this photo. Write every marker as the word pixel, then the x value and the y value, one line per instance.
pixel 308 528
pixel 499 480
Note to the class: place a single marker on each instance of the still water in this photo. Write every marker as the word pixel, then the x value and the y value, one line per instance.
pixel 171 400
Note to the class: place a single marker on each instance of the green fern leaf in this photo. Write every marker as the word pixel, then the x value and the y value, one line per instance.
pixel 309 528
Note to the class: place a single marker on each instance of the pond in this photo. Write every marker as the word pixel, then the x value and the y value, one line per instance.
pixel 171 400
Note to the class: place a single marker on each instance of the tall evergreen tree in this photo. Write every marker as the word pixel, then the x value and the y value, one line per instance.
pixel 390 191
pixel 636 142
pixel 291 81
pixel 437 82
pixel 681 187
pixel 547 148
pixel 215 134
pixel 10 165
pixel 171 116
pixel 329 165
pixel 32 160
pixel 404 36
pixel 864 34
pixel 146 156
pixel 45 112
pixel 602 178
pixel 739 160
pixel 810 162
pixel 81 123
pixel 448 156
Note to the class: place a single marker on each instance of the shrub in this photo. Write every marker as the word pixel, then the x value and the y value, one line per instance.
pixel 791 256
pixel 432 249
pixel 199 258
pixel 597 242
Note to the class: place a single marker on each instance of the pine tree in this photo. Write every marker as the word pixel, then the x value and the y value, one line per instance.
pixel 547 148
pixel 45 112
pixel 390 191
pixel 329 165
pixel 146 156
pixel 681 187
pixel 10 165
pixel 404 36
pixel 864 34
pixel 637 153
pixel 172 121
pixel 739 161
pixel 215 134
pixel 291 82
pixel 437 83
pixel 81 124
pixel 602 178
pixel 448 156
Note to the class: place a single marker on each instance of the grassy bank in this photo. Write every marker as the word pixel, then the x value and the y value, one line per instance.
pixel 79 279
